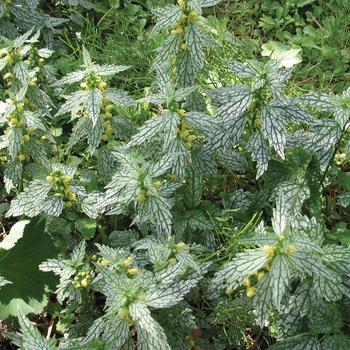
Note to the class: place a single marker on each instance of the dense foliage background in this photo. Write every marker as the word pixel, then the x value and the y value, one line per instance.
pixel 175 174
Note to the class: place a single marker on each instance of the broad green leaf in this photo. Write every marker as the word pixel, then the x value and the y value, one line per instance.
pixel 286 56
pixel 20 265
pixel 87 227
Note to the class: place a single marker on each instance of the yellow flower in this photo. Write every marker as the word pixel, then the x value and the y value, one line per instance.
pixel 192 16
pixel 20 107
pixel 179 29
pixel 8 76
pixel 192 138
pixel 269 250
pixel 141 298
pixel 124 313
pixel 251 292
pixel 181 112
pixel 141 197
pixel 85 282
pixel 104 262
pixel 9 59
pixel 66 179
pixel 246 282
pixel 72 196
pixel 157 184
pixel 14 122
pixel 260 275
pixel 183 46
pixel 291 249
pixel 26 138
pixel 229 291
pixel 127 262
pixel 102 85
pixel 180 246
pixel 133 271
pixel 182 3
pixel 172 261
pixel 108 115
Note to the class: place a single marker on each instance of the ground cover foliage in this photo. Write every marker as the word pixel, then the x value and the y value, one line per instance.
pixel 175 175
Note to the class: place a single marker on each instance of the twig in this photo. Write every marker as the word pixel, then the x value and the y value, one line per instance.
pixel 49 330
pixel 255 344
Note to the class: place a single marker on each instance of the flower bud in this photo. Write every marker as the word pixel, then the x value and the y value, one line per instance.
pixel 157 184
pixel 133 271
pixel 172 261
pixel 180 246
pixel 104 262
pixel 8 75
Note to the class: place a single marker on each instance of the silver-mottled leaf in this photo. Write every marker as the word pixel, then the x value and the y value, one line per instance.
pixel 259 152
pixel 274 130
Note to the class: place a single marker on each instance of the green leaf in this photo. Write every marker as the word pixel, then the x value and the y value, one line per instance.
pixel 87 227
pixel 20 265
pixel 286 56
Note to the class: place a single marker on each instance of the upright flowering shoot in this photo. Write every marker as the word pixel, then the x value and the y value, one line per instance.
pixel 138 184
pixel 23 114
pixel 93 102
pixel 75 274
pixel 21 61
pixel 292 250
pixel 180 132
pixel 51 195
pixel 25 138
pixel 326 133
pixel 257 109
pixel 182 54
pixel 133 292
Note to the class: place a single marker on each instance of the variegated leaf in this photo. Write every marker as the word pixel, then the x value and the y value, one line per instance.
pixel 259 152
